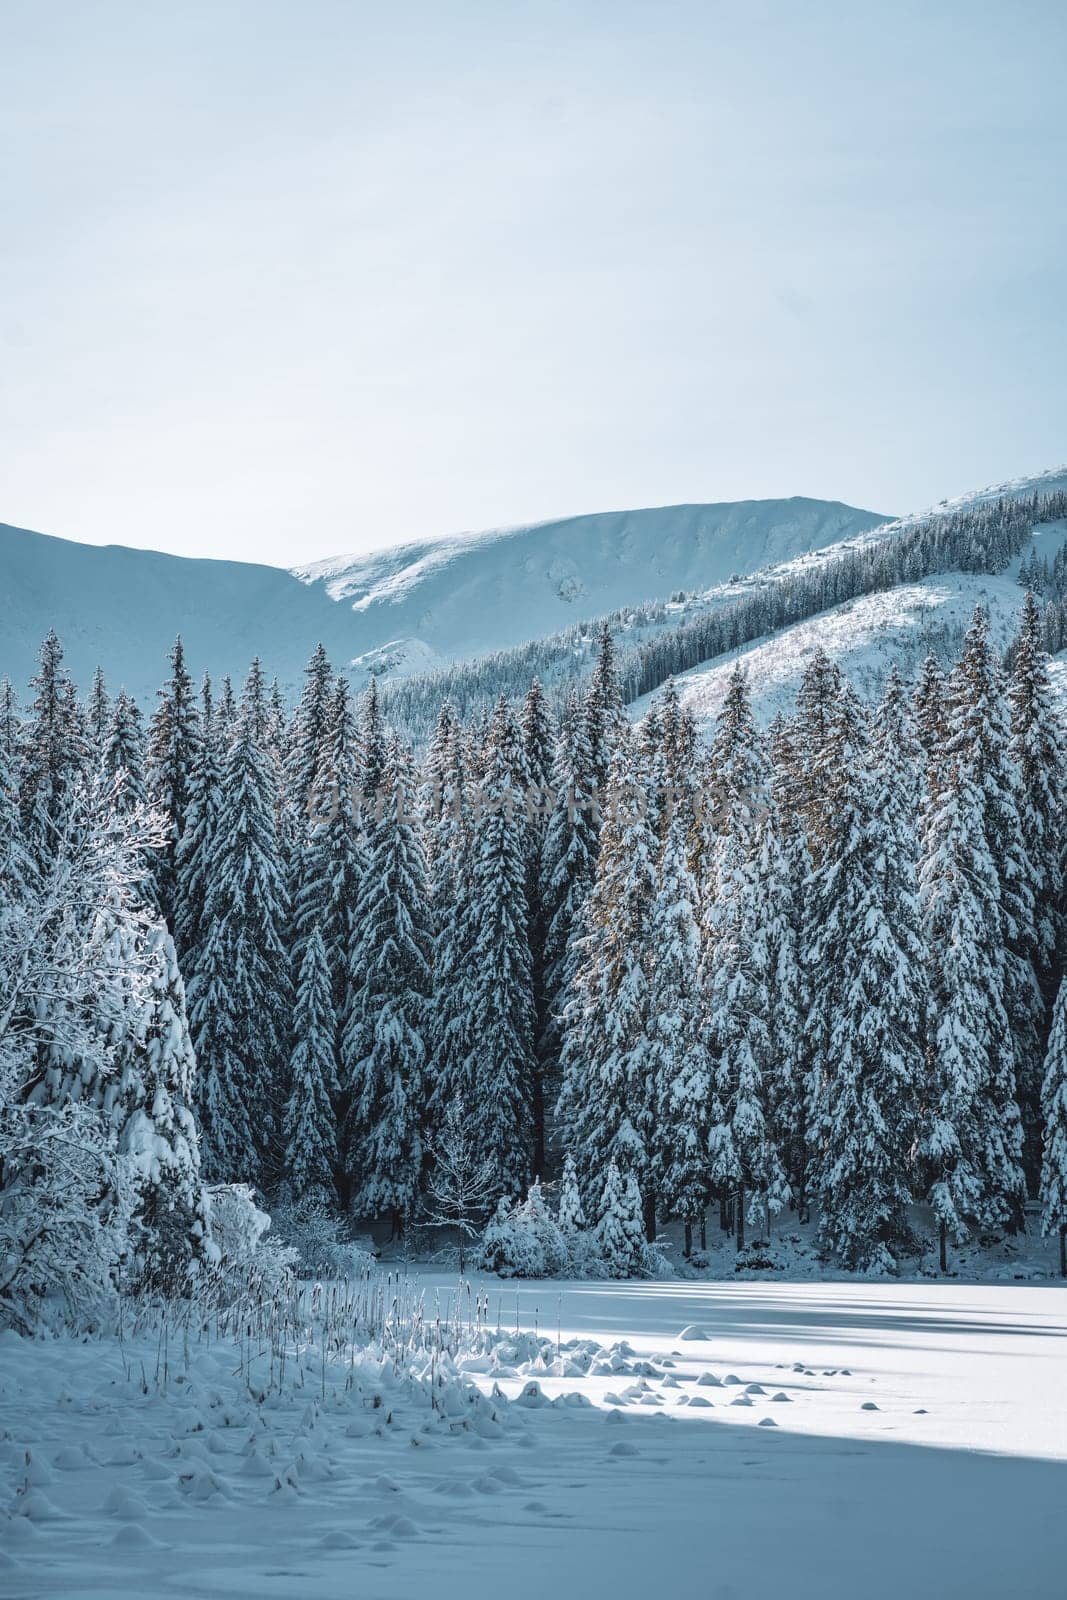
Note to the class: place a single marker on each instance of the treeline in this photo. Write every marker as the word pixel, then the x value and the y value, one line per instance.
pixel 817 968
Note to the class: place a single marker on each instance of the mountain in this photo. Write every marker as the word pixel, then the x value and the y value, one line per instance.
pixel 408 609
pixel 421 606
pixel 866 635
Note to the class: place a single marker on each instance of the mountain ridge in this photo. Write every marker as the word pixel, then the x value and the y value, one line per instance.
pixel 120 606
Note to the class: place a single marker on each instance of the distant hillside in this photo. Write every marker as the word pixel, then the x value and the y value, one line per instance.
pixel 392 612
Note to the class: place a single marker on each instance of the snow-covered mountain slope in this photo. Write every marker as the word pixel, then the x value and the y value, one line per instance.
pixel 394 612
pixel 427 604
pixel 867 635
pixel 122 608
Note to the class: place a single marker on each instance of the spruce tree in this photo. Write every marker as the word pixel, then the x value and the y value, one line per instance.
pixel 867 963
pixel 979 742
pixel 605 718
pixel 174 751
pixel 160 1134
pixel 569 1212
pixel 200 839
pixel 538 746
pixel 608 1104
pixel 971 1133
pixel 1036 748
pixel 383 1048
pixel 239 991
pixel 371 744
pixel 306 742
pixel 737 978
pixel 930 706
pixel 450 842
pixel 1054 1112
pixel 678 1066
pixel 122 756
pixel 568 865
pixel 501 1062
pixel 785 871
pixel 98 714
pixel 816 699
pixel 310 1128
pixel 619 1232
pixel 328 854
pixel 55 754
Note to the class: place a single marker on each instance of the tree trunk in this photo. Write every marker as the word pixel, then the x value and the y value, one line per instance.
pixel 650 1217
pixel 725 1221
pixel 740 1203
pixel 943 1245
pixel 703 1230
pixel 767 1219
pixel 1063 1250
pixel 538 1124
pixel 687 1248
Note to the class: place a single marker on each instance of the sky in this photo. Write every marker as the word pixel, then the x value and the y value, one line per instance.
pixel 284 280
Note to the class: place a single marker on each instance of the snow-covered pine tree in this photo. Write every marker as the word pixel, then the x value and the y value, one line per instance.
pixel 1037 750
pixel 538 732
pixel 122 756
pixel 779 955
pixel 239 992
pixel 310 1126
pixel 605 718
pixel 816 699
pixel 538 746
pixel 437 799
pixel 327 857
pixel 678 1065
pixel 1054 1112
pixel 372 747
pixel 979 739
pixel 620 1234
pixel 737 976
pixel 450 838
pixel 930 704
pixel 174 751
pixel 383 1046
pixel 10 725
pixel 897 752
pixel 306 737
pixel 607 1104
pixel 55 754
pixel 867 965
pixel 501 1062
pixel 98 714
pixel 160 1134
pixel 226 713
pixel 14 864
pixel 570 1213
pixel 199 840
pixel 736 971
pixel 786 873
pixel 568 864
pixel 971 1137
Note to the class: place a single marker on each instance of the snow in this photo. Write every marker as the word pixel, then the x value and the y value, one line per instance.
pixel 865 636
pixel 917 1447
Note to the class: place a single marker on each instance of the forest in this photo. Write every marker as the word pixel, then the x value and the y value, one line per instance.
pixel 555 983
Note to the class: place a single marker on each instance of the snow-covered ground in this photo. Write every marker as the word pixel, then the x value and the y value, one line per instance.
pixel 728 1440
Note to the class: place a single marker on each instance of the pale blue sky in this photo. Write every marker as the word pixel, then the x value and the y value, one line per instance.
pixel 281 280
